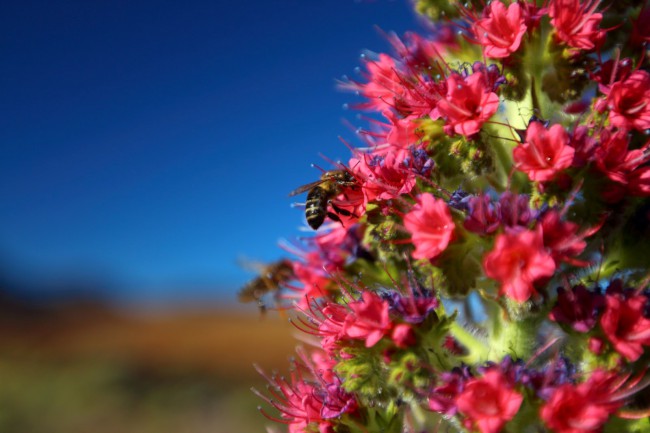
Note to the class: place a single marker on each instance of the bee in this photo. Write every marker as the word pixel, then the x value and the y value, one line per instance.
pixel 270 279
pixel 321 193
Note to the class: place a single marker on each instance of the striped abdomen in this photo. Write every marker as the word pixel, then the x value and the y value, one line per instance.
pixel 316 206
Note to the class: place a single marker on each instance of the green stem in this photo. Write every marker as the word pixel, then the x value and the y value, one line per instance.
pixel 504 156
pixel 514 338
pixel 478 349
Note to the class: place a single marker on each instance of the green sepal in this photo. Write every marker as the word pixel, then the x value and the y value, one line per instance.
pixel 407 371
pixel 386 419
pixel 461 266
pixel 362 371
pixel 617 425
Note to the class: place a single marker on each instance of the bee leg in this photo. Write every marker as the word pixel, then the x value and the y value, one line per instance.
pixel 334 217
pixel 343 212
pixel 340 211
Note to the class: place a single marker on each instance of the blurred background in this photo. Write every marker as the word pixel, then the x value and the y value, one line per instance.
pixel 146 151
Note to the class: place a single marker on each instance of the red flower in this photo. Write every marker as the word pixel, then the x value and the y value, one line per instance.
pixel 582 408
pixel 384 176
pixel 577 307
pixel 640 30
pixel 384 87
pixel 623 166
pixel 482 216
pixel 305 402
pixel 402 132
pixel 369 319
pixel 328 323
pixel 312 277
pixel 323 366
pixel 629 101
pixel 468 104
pixel 517 261
pixel 563 239
pixel 584 145
pixel 576 24
pixel 431 226
pixel 625 325
pixel 403 336
pixel 544 153
pixel 514 210
pixel 501 31
pixel 640 182
pixel 442 398
pixel 489 401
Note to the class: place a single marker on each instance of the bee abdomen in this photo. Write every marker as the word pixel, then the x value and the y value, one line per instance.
pixel 316 207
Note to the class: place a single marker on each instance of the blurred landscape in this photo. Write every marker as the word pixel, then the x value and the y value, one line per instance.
pixel 85 365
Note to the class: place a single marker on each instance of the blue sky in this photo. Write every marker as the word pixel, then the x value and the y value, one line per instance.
pixel 151 144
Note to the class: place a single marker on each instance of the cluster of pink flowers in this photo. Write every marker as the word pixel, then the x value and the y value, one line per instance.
pixel 623 316
pixel 487 268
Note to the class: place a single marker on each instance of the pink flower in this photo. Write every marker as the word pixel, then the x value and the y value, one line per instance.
pixel 501 31
pixel 611 157
pixel 576 24
pixel 323 366
pixel 625 325
pixel 329 324
pixel 402 131
pixel 563 239
pixel 517 260
pixel 312 277
pixel 403 336
pixel 584 145
pixel 469 103
pixel 384 87
pixel 305 402
pixel 640 182
pixel 514 210
pixel 347 207
pixel 582 408
pixel 629 102
pixel 430 225
pixel 624 167
pixel 640 30
pixel 369 319
pixel 482 216
pixel 544 153
pixel 442 398
pixel 578 308
pixel 336 245
pixel 417 52
pixel 384 176
pixel 489 401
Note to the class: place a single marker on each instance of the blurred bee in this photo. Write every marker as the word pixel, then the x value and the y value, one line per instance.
pixel 321 193
pixel 271 277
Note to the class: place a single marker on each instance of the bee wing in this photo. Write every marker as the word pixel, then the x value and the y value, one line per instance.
pixel 252 265
pixel 304 188
pixel 250 292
